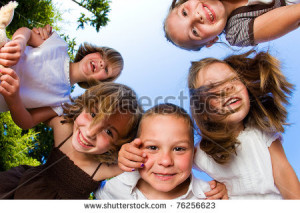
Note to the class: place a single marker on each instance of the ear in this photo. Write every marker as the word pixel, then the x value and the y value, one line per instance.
pixel 211 42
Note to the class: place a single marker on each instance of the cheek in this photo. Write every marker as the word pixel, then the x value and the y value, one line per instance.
pixel 149 163
pixel 103 143
pixel 184 162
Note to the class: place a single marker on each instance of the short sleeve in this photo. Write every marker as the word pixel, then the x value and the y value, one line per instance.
pixel 270 137
pixel 239 31
pixel 58 110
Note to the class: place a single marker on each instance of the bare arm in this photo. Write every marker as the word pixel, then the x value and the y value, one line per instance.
pixel 24 118
pixel 276 23
pixel 284 176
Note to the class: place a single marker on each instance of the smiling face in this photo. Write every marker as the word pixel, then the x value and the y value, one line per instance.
pixel 196 22
pixel 169 148
pixel 235 92
pixel 93 66
pixel 98 138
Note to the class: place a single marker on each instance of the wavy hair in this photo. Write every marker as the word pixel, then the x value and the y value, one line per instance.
pixel 268 92
pixel 112 57
pixel 106 99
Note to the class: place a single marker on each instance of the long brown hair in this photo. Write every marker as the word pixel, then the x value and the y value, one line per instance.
pixel 268 92
pixel 106 99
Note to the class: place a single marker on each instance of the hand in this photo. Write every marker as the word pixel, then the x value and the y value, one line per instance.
pixel 131 157
pixel 218 191
pixel 44 32
pixel 9 85
pixel 11 52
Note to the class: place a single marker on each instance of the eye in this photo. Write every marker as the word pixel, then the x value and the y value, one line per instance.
pixel 109 132
pixel 106 70
pixel 184 13
pixel 179 149
pixel 152 147
pixel 195 33
pixel 93 114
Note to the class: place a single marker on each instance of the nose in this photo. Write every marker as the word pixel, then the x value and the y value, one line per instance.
pixel 166 159
pixel 94 130
pixel 198 15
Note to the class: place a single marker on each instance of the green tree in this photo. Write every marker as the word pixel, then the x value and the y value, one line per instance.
pixel 99 10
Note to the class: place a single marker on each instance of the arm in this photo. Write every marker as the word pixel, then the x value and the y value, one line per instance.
pixel 11 52
pixel 24 118
pixel 276 23
pixel 284 176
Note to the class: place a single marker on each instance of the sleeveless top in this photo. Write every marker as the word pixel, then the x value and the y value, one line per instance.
pixel 59 178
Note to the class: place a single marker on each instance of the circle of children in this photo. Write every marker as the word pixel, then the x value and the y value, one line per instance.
pixel 237 106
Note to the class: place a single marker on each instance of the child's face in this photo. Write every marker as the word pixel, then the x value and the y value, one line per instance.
pixel 98 138
pixel 93 66
pixel 167 143
pixel 196 23
pixel 235 92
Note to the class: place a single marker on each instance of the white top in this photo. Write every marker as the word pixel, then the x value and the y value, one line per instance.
pixel 288 2
pixel 249 175
pixel 44 75
pixel 123 187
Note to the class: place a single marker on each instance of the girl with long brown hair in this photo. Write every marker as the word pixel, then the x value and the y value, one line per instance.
pixel 238 105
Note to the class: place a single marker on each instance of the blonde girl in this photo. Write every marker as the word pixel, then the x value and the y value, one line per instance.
pixel 238 105
pixel 86 144
pixel 192 24
pixel 41 74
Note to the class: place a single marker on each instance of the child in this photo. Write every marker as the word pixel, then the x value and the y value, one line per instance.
pixel 41 78
pixel 166 136
pixel 238 106
pixel 192 24
pixel 85 147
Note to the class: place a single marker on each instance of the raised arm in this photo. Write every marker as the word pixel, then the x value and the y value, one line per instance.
pixel 24 118
pixel 11 52
pixel 276 23
pixel 284 176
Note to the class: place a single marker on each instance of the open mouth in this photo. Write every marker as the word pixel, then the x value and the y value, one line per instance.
pixel 232 101
pixel 209 13
pixel 93 66
pixel 81 140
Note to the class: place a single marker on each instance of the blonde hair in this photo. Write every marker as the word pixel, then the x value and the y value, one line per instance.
pixel 171 110
pixel 268 92
pixel 110 55
pixel 106 99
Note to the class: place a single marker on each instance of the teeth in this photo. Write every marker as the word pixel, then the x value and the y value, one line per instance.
pixel 232 101
pixel 209 13
pixel 83 141
pixel 162 175
pixel 93 64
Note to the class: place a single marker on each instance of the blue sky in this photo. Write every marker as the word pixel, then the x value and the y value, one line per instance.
pixel 157 70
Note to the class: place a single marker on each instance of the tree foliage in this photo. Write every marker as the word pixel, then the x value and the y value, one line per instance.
pixel 99 10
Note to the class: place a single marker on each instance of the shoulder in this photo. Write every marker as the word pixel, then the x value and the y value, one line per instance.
pixel 118 187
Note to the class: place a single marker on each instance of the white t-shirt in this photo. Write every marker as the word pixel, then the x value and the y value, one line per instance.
pixel 44 75
pixel 123 187
pixel 249 175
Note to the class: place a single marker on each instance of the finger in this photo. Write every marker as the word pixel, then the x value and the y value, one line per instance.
pixel 213 192
pixel 212 184
pixel 48 28
pixel 225 197
pixel 128 163
pixel 6 72
pixel 7 63
pixel 35 30
pixel 125 168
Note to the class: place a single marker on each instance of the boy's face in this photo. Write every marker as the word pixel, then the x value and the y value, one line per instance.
pixel 196 23
pixel 167 143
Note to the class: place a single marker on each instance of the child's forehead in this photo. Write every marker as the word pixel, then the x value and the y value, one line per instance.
pixel 214 73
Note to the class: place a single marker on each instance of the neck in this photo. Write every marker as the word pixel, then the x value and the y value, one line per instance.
pixel 153 194
pixel 75 76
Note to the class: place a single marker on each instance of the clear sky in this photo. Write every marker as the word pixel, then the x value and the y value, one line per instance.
pixel 157 70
